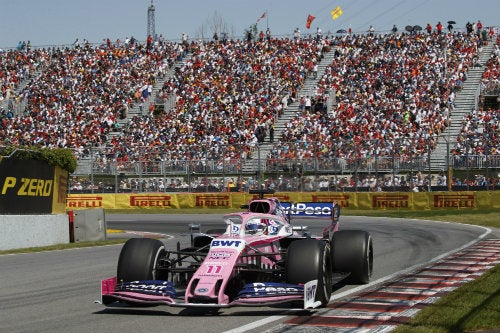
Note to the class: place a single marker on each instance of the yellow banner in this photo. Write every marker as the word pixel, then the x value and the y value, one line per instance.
pixel 147 201
pixel 420 200
pixel 212 200
pixel 483 200
pixel 452 200
pixel 86 201
pixel 347 200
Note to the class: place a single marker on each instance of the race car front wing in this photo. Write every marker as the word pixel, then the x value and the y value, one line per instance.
pixel 157 292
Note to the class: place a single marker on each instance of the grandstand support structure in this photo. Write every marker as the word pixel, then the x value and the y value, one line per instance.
pixel 466 100
pixel 151 20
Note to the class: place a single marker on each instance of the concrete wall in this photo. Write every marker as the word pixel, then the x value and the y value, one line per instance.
pixel 89 225
pixel 22 231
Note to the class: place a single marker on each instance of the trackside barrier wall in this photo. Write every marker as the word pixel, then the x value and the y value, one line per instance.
pixel 466 200
pixel 23 231
pixel 32 204
pixel 89 225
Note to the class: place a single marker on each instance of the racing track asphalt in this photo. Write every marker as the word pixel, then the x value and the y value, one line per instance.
pixel 54 291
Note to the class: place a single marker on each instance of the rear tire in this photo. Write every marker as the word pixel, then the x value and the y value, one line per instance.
pixel 352 251
pixel 309 259
pixel 138 259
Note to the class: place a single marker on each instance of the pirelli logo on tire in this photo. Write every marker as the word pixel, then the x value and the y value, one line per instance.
pixel 213 200
pixel 454 200
pixel 391 201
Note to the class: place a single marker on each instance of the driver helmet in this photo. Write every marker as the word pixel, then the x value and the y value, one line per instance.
pixel 255 227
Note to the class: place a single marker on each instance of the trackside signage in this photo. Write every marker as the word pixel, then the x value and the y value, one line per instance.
pixel 150 201
pixel 31 187
pixel 85 201
pixel 213 200
pixel 454 200
pixel 340 199
pixel 391 201
pixel 305 204
pixel 282 197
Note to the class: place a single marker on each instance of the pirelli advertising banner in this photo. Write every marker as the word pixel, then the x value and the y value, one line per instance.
pixel 32 187
pixel 349 200
pixel 155 201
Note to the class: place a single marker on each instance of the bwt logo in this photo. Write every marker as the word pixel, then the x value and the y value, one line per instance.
pixel 150 200
pixel 342 200
pixel 86 201
pixel 390 201
pixel 226 243
pixel 454 200
pixel 212 201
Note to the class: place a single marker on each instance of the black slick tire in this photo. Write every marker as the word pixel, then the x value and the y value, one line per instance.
pixel 352 252
pixel 309 259
pixel 138 259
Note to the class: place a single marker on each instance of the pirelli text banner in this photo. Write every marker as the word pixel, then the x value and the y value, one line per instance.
pixel 350 200
pixel 122 201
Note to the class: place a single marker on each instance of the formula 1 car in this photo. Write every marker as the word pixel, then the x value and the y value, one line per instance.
pixel 259 259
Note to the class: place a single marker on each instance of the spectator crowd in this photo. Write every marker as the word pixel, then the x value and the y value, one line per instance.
pixel 394 94
pixel 394 97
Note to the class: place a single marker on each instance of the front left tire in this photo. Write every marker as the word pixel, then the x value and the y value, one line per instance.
pixel 139 259
pixel 309 259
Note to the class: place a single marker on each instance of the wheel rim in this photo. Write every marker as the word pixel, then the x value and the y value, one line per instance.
pixel 327 274
pixel 155 262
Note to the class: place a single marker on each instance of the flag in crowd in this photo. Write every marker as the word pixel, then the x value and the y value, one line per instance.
pixel 261 17
pixel 310 18
pixel 336 12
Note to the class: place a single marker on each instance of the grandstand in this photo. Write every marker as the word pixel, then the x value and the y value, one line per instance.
pixel 348 110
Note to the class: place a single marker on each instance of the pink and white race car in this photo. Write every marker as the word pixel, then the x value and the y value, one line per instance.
pixel 259 259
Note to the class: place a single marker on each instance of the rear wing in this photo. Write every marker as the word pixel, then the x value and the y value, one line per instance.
pixel 261 192
pixel 325 210
pixel 329 210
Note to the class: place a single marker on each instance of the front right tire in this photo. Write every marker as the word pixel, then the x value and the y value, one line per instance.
pixel 352 252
